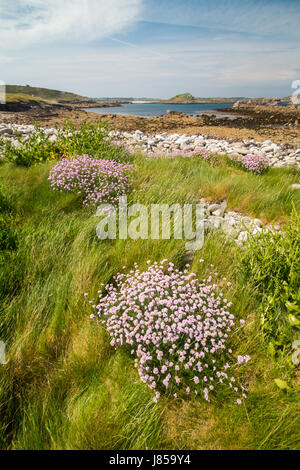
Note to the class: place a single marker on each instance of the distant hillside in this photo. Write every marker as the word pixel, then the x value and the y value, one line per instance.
pixel 44 93
pixel 187 98
pixel 22 97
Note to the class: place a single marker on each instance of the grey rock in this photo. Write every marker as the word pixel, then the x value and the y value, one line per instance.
pixel 217 222
pixel 257 230
pixel 258 222
pixel 223 207
pixel 213 207
pixel 267 149
pixel 246 221
pixel 241 150
pixel 218 213
pixel 243 236
pixel 232 221
pixel 207 224
pixel 6 130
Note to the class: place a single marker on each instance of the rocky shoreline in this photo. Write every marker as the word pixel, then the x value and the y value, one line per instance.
pixel 168 145
pixel 256 125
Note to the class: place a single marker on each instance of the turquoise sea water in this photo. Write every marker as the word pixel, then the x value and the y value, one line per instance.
pixel 158 109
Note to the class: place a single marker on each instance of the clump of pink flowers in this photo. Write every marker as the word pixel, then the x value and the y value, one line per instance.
pixel 243 359
pixel 98 181
pixel 176 327
pixel 255 163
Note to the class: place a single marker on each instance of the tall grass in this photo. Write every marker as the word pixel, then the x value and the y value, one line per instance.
pixel 63 386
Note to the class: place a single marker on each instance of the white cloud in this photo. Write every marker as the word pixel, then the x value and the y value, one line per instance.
pixel 204 71
pixel 31 22
pixel 157 62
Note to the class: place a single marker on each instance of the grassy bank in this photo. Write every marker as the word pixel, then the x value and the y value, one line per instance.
pixel 64 386
pixel 46 94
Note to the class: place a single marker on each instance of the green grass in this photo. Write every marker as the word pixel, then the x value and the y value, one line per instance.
pixel 43 93
pixel 268 196
pixel 63 386
pixel 20 97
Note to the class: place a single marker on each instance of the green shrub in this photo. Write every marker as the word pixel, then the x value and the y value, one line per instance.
pixel 271 264
pixel 90 140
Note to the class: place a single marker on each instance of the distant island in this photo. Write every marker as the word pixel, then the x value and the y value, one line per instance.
pixel 183 98
pixel 187 98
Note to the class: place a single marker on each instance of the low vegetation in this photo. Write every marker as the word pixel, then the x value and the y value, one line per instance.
pixel 43 93
pixel 21 97
pixel 271 264
pixel 40 147
pixel 66 385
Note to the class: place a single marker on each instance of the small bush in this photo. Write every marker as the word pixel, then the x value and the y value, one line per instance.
pixel 89 140
pixel 40 147
pixel 97 181
pixel 176 328
pixel 271 264
pixel 37 148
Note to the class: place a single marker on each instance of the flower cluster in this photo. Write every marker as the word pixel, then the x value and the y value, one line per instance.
pixel 175 327
pixel 243 359
pixel 255 163
pixel 98 181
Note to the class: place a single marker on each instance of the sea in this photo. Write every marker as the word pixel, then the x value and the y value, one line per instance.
pixel 159 109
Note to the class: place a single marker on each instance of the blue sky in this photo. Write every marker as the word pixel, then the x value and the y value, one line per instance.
pixel 154 48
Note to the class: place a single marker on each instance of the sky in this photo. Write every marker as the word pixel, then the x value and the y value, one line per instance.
pixel 152 48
